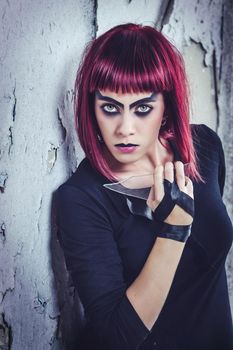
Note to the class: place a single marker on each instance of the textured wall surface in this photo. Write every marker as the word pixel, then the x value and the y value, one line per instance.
pixel 41 46
pixel 226 118
pixel 41 43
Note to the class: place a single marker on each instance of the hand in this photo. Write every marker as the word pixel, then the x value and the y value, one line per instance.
pixel 172 201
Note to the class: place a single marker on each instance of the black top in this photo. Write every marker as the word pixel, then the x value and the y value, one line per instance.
pixel 106 246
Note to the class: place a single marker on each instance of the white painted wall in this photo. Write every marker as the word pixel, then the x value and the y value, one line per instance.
pixel 41 44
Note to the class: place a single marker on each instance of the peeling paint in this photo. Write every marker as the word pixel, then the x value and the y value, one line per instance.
pixel 8 275
pixel 3 295
pixel 165 13
pixel 3 178
pixel 199 21
pixel 5 334
pixel 57 336
pixel 51 157
pixel 15 103
pixel 201 81
pixel 3 232
pixel 62 126
pixel 7 97
pixel 94 22
pixel 221 37
pixel 11 139
pixel 19 250
pixel 40 304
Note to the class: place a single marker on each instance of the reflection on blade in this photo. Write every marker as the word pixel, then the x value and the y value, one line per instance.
pixel 132 186
pixel 141 193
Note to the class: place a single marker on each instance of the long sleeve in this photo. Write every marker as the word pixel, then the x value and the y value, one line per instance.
pixel 92 257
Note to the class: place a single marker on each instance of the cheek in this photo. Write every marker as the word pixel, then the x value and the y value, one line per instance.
pixel 106 127
pixel 152 127
pixel 100 121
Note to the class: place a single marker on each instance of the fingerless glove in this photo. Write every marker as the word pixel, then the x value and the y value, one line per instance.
pixel 173 196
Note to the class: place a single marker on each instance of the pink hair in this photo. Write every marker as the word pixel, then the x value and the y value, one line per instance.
pixel 133 58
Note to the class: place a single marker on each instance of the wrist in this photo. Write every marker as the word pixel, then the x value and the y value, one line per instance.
pixel 175 232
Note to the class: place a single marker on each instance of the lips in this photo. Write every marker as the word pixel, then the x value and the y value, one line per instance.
pixel 125 144
pixel 126 148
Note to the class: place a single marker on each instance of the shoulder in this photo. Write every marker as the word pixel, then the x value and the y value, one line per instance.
pixel 85 178
pixel 85 175
pixel 207 143
pixel 209 151
pixel 84 190
pixel 205 136
pixel 85 182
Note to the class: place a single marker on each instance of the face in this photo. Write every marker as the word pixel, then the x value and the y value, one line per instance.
pixel 129 124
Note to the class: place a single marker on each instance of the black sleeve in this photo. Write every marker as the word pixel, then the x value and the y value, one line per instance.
pixel 91 255
pixel 215 145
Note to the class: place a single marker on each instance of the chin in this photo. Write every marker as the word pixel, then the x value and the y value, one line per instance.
pixel 126 158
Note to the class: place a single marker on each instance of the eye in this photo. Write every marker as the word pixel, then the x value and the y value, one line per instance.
pixel 109 109
pixel 143 110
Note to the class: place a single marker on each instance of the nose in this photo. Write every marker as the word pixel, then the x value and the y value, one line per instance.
pixel 126 125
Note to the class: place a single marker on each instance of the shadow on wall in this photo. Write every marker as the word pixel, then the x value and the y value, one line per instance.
pixel 71 321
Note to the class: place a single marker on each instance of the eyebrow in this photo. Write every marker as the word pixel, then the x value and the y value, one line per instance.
pixel 112 100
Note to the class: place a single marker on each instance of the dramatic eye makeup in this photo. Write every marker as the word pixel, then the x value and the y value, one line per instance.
pixel 108 108
pixel 143 110
pixel 140 110
pixel 113 106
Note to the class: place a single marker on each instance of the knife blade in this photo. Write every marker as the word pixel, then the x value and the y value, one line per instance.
pixel 129 186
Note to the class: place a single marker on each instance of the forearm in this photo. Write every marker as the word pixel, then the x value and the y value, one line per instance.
pixel 149 290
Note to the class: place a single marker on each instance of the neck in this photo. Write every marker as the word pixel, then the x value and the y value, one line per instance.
pixel 159 154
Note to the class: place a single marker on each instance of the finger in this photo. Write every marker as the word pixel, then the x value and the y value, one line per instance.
pixel 157 190
pixel 158 182
pixel 186 178
pixel 169 171
pixel 180 177
pixel 189 187
pixel 150 199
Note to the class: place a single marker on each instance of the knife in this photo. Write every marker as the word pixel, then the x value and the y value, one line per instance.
pixel 129 186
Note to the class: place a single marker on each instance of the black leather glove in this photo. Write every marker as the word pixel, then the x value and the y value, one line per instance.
pixel 173 196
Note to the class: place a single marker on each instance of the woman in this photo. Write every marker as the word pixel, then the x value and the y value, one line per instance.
pixel 149 272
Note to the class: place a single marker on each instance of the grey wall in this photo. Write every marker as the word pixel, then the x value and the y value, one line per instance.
pixel 41 44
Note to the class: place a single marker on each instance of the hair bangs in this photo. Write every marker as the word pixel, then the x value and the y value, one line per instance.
pixel 131 68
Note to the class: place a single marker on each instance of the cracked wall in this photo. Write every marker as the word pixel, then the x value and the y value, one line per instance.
pixel 41 45
pixel 5 334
